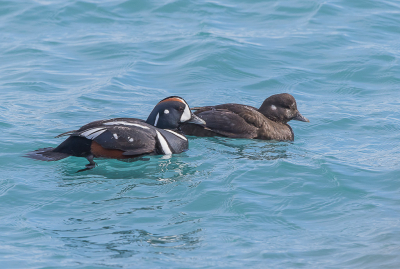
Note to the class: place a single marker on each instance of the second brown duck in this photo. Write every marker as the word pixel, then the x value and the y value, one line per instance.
pixel 269 122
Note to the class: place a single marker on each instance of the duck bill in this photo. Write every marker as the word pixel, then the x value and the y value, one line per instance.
pixel 196 120
pixel 300 117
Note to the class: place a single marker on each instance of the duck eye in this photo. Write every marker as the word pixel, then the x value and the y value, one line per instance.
pixel 181 109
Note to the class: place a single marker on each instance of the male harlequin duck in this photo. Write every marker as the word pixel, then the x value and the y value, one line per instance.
pixel 269 122
pixel 124 138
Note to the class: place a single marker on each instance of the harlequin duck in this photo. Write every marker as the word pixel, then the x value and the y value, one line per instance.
pixel 123 138
pixel 269 122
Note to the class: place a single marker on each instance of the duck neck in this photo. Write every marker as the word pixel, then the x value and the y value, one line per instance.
pixel 276 131
pixel 268 115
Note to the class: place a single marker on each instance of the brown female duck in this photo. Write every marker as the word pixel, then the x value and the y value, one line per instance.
pixel 269 122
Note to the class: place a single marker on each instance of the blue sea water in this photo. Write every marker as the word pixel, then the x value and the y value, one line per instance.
pixel 330 199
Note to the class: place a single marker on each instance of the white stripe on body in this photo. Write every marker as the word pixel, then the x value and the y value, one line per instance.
pixel 125 123
pixel 93 133
pixel 164 144
pixel 179 135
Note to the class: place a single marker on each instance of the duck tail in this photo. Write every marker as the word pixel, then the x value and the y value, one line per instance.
pixel 46 154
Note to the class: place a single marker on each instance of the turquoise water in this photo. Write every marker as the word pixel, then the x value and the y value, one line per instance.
pixel 330 199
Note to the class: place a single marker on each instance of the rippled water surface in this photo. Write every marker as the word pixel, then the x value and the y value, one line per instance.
pixel 330 199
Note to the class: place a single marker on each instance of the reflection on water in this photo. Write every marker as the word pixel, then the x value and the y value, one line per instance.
pixel 126 243
pixel 250 149
pixel 142 237
pixel 154 167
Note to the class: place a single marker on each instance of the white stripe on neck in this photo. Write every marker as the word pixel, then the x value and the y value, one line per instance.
pixel 156 121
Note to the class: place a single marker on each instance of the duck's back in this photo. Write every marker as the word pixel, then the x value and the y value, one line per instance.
pixel 230 120
pixel 237 121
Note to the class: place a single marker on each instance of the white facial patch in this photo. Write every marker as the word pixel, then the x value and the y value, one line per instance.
pixel 156 121
pixel 115 136
pixel 187 115
pixel 166 111
pixel 126 124
pixel 130 139
pixel 273 107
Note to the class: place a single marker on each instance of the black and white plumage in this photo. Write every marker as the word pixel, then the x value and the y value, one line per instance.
pixel 269 122
pixel 123 138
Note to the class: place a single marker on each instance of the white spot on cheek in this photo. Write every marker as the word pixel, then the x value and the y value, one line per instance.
pixel 130 139
pixel 273 107
pixel 115 136
pixel 166 111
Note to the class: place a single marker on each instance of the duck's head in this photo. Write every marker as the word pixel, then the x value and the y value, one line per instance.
pixel 281 108
pixel 170 112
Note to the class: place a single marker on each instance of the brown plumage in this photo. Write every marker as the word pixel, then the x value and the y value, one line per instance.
pixel 100 152
pixel 269 122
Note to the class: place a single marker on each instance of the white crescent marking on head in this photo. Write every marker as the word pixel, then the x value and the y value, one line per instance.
pixel 115 136
pixel 164 144
pixel 179 135
pixel 166 111
pixel 125 123
pixel 273 107
pixel 187 115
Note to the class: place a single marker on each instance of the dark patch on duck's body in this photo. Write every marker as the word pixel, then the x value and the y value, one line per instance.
pixel 75 146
